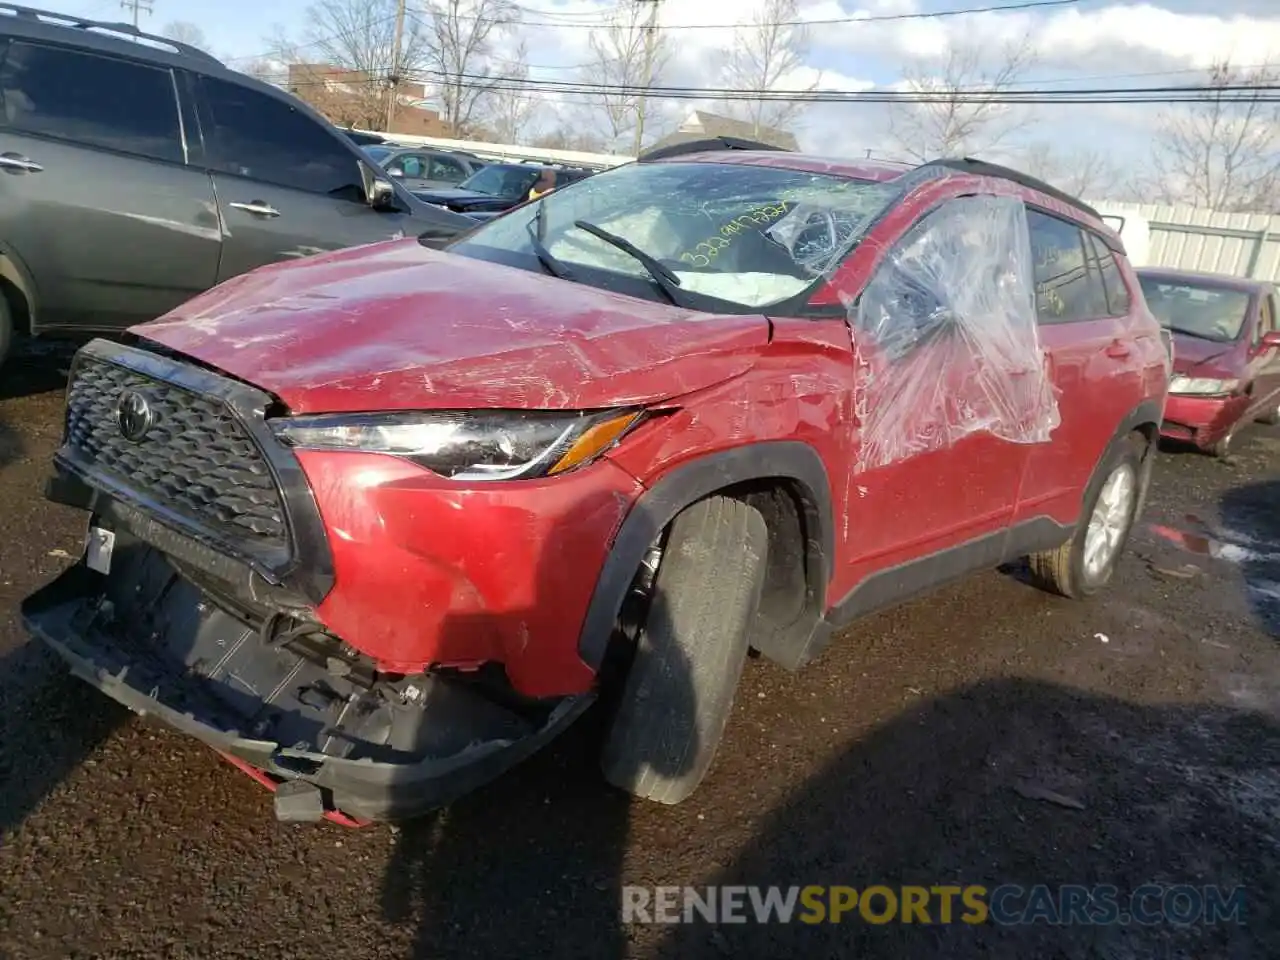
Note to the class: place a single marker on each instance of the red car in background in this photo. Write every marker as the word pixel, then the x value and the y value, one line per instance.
pixel 1226 369
pixel 378 524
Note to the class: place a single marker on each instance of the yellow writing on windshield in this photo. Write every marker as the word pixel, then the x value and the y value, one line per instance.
pixel 701 254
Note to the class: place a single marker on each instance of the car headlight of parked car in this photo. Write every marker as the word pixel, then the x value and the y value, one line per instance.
pixel 1202 386
pixel 468 445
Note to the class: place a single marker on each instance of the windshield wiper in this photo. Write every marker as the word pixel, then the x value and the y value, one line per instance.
pixel 663 278
pixel 536 229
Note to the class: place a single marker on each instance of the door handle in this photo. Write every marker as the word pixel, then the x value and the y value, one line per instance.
pixel 258 208
pixel 1118 350
pixel 17 163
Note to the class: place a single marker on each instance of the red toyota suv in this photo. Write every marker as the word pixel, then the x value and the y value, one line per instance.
pixel 377 524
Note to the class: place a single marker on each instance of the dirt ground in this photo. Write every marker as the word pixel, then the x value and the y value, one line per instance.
pixel 917 750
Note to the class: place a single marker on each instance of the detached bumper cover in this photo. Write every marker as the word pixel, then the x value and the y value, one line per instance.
pixel 151 640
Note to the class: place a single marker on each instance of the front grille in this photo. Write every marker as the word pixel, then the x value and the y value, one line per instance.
pixel 197 460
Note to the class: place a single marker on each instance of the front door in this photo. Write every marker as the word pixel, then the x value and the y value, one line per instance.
pixel 950 388
pixel 1264 361
pixel 287 187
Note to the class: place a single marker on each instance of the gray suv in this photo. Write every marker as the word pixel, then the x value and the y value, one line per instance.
pixel 134 175
pixel 419 168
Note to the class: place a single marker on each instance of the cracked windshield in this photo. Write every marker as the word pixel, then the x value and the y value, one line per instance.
pixel 749 235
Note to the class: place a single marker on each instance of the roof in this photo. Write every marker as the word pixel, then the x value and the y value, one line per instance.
pixel 700 125
pixel 785 160
pixel 1220 280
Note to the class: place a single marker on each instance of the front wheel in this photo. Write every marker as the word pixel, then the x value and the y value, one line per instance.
pixel 1084 564
pixel 689 655
pixel 6 329
pixel 1272 416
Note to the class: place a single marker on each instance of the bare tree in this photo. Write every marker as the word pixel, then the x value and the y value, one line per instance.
pixel 565 137
pixel 618 62
pixel 511 105
pixel 344 60
pixel 955 113
pixel 766 51
pixel 1224 152
pixel 186 32
pixel 460 51
pixel 1085 172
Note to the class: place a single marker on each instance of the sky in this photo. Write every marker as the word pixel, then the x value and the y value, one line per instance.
pixel 1090 42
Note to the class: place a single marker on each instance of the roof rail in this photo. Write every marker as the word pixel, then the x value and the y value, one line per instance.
pixel 705 146
pixel 125 29
pixel 982 168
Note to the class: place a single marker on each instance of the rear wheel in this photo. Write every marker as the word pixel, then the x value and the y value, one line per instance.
pixel 679 689
pixel 1084 564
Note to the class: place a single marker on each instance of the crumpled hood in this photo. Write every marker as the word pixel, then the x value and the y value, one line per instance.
pixel 1193 356
pixel 395 326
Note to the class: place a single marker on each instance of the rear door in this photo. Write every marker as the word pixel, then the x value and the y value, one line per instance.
pixel 1098 370
pixel 287 187
pixel 95 195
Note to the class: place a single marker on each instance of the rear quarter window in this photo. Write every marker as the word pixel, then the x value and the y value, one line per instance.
pixel 92 100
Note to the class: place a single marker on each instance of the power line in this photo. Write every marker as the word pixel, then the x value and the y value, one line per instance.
pixel 880 18
pixel 1241 93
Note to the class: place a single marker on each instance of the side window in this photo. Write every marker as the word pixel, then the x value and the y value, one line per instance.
pixel 447 168
pixel 1118 297
pixel 1095 298
pixel 254 135
pixel 91 100
pixel 1065 290
pixel 956 271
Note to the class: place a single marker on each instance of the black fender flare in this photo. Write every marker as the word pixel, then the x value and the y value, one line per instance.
pixel 792 462
pixel 1150 411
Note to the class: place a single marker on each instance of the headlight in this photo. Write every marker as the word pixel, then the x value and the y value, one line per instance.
pixel 468 445
pixel 1202 386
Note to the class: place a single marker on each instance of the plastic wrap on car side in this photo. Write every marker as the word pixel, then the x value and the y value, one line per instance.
pixel 946 338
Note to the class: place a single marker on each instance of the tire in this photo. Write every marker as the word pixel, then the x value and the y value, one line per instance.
pixel 678 692
pixel 6 329
pixel 1222 448
pixel 1273 417
pixel 1065 570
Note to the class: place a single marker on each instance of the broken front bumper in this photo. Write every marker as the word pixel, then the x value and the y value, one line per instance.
pixel 329 742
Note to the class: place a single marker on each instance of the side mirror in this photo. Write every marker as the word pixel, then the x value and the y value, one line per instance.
pixel 382 195
pixel 1270 341
pixel 396 173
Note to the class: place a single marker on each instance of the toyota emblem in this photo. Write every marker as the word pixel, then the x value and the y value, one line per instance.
pixel 134 415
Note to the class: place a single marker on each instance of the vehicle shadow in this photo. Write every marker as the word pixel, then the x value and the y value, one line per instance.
pixel 36 366
pixel 564 831
pixel 1252 513
pixel 11 445
pixel 1020 782
pixel 50 723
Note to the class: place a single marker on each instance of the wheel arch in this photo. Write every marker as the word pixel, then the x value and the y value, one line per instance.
pixel 1144 419
pixel 19 294
pixel 761 474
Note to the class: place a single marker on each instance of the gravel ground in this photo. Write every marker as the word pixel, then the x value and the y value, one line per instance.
pixel 917 750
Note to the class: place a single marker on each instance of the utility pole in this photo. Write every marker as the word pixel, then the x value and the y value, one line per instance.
pixel 395 66
pixel 650 31
pixel 136 5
